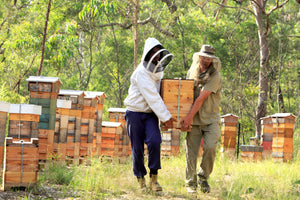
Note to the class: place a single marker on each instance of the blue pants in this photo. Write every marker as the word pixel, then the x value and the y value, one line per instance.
pixel 143 128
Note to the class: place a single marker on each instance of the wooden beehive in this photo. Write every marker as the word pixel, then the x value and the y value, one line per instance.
pixel 110 139
pixel 87 130
pixel 62 115
pixel 74 122
pixel 4 109
pixel 100 98
pixel 170 145
pixel 267 136
pixel 44 92
pixel 23 121
pixel 283 131
pixel 21 163
pixel 118 115
pixel 178 96
pixel 228 133
pixel 251 152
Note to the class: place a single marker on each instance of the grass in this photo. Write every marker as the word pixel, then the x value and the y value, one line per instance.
pixel 231 179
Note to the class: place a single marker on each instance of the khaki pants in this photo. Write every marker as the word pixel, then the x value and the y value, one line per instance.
pixel 210 134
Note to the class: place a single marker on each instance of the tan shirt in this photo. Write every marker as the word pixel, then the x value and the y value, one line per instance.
pixel 209 111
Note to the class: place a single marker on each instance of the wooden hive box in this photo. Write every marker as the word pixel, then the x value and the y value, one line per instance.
pixel 62 114
pixel 251 153
pixel 266 136
pixel 44 91
pixel 228 133
pixel 23 121
pixel 170 145
pixel 283 130
pixel 98 115
pixel 87 125
pixel 118 115
pixel 74 123
pixel 21 163
pixel 178 96
pixel 110 139
pixel 4 109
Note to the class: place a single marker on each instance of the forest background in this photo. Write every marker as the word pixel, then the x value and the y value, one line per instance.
pixel 95 45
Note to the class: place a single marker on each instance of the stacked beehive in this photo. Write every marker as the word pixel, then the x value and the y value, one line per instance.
pixel 267 136
pixel 87 125
pixel 118 115
pixel 96 137
pixel 178 96
pixel 283 131
pixel 110 139
pixel 22 155
pixel 74 122
pixel 228 134
pixel 4 109
pixel 44 91
pixel 170 143
pixel 61 130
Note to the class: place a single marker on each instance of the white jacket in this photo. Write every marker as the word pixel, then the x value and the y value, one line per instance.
pixel 143 93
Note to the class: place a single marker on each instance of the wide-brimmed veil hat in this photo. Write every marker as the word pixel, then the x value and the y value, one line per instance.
pixel 207 51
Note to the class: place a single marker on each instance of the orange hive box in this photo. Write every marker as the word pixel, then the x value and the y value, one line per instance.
pixel 228 133
pixel 4 109
pixel 118 115
pixel 178 96
pixel 21 163
pixel 110 139
pixel 283 131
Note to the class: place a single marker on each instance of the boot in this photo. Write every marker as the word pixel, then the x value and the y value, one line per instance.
pixel 154 185
pixel 142 182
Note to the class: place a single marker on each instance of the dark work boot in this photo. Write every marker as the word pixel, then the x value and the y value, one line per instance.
pixel 204 186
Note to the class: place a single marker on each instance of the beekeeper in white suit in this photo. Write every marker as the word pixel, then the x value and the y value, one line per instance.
pixel 145 108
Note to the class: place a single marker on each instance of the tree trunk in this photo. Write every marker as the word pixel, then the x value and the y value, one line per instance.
pixel 135 32
pixel 261 21
pixel 44 38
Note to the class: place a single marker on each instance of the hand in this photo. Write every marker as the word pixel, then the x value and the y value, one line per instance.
pixel 186 123
pixel 169 123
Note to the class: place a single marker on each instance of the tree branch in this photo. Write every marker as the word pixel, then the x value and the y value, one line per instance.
pixel 277 6
pixel 143 22
pixel 233 7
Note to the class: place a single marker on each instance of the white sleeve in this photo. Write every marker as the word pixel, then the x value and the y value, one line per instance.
pixel 149 91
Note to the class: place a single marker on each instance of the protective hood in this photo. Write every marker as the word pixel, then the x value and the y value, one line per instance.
pixel 163 61
pixel 194 71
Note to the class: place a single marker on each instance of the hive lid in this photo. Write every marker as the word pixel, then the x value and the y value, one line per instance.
pixel 283 115
pixel 25 109
pixel 91 94
pixel 111 124
pixel 43 79
pixel 71 92
pixel 121 110
pixel 4 106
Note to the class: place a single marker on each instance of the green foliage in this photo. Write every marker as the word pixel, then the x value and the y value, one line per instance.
pixel 57 173
pixel 89 47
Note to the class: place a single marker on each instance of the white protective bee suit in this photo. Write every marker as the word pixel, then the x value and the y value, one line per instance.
pixel 144 107
pixel 143 94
